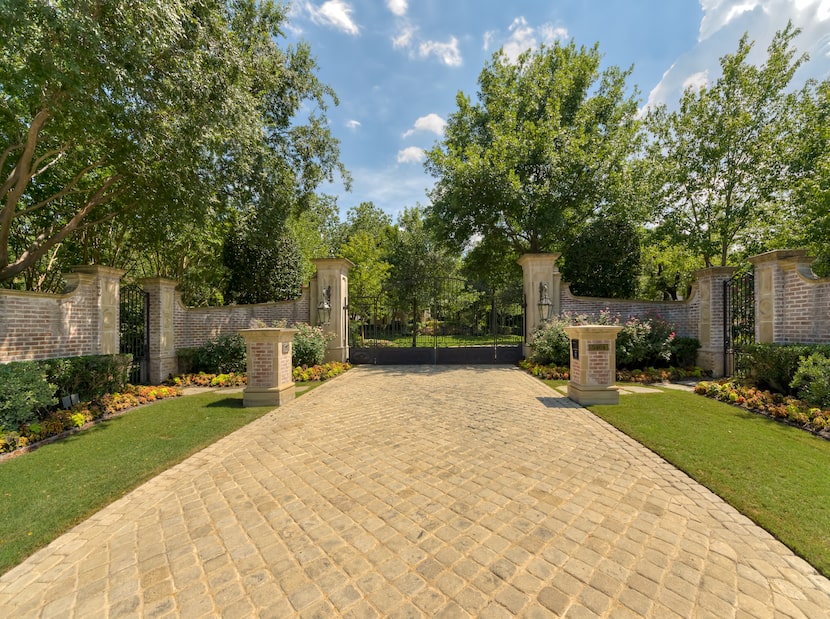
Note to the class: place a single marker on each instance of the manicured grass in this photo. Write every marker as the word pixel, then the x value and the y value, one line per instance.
pixel 444 341
pixel 46 492
pixel 777 475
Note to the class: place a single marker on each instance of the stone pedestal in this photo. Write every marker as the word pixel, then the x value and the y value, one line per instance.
pixel 270 376
pixel 593 364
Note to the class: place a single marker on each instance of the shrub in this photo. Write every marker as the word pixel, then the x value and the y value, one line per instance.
pixel 221 355
pixel 641 342
pixel 25 394
pixel 550 342
pixel 684 351
pixel 309 345
pixel 773 366
pixel 812 380
pixel 91 376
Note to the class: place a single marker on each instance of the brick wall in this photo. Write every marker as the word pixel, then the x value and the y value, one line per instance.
pixel 193 326
pixel 684 315
pixel 803 316
pixel 46 326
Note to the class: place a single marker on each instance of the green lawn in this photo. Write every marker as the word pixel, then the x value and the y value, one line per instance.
pixel 442 341
pixel 46 492
pixel 777 475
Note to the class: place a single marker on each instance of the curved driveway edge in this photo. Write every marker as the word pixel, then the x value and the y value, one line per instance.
pixel 419 491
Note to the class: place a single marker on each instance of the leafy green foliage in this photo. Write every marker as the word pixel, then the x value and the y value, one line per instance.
pixel 262 267
pixel 90 376
pixel 25 394
pixel 144 140
pixel 812 380
pixel 220 355
pixel 717 161
pixel 604 260
pixel 551 345
pixel 684 351
pixel 773 366
pixel 641 342
pixel 309 346
pixel 545 147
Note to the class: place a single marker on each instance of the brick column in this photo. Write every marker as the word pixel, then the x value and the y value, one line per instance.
pixel 539 270
pixel 270 375
pixel 770 296
pixel 162 361
pixel 332 276
pixel 593 364
pixel 710 328
pixel 107 288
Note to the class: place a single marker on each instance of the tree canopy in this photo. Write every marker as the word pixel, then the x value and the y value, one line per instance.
pixel 541 152
pixel 720 160
pixel 143 112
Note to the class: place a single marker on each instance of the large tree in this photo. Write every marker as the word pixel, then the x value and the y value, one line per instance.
pixel 151 111
pixel 542 151
pixel 719 160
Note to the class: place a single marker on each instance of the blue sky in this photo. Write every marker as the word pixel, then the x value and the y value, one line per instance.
pixel 397 65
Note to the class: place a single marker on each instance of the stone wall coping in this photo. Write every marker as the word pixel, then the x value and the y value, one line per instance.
pixel 537 257
pixel 777 255
pixel 714 271
pixel 97 269
pixel 333 262
pixel 566 290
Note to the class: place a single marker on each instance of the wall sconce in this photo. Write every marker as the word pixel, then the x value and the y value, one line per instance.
pixel 545 304
pixel 324 307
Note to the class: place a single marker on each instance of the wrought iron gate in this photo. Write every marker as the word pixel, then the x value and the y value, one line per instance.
pixel 437 321
pixel 738 321
pixel 134 330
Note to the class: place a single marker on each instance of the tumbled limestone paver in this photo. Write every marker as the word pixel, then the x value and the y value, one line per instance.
pixel 420 491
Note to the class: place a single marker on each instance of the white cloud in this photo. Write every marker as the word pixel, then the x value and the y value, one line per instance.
pixel 398 7
pixel 404 38
pixel 411 154
pixel 523 37
pixel 430 122
pixel 446 52
pixel 353 124
pixel 334 13
pixel 696 81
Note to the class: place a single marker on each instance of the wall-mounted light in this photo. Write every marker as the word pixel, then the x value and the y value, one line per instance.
pixel 324 307
pixel 545 304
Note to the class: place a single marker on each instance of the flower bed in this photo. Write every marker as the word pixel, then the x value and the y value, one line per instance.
pixel 302 374
pixel 63 421
pixel 773 405
pixel 648 375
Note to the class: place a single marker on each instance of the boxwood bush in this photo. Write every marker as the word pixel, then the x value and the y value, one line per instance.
pixel 25 396
pixel 774 366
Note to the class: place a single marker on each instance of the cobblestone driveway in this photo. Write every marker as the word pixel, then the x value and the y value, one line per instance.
pixel 409 492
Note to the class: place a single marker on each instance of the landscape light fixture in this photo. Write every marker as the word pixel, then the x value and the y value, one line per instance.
pixel 545 304
pixel 324 307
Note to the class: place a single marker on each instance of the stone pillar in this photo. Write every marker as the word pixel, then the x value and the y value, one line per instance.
pixel 539 270
pixel 593 364
pixel 710 327
pixel 107 288
pixel 770 269
pixel 270 373
pixel 331 286
pixel 162 361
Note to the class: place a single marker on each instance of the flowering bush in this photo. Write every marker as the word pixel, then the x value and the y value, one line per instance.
pixel 641 341
pixel 309 345
pixel 773 405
